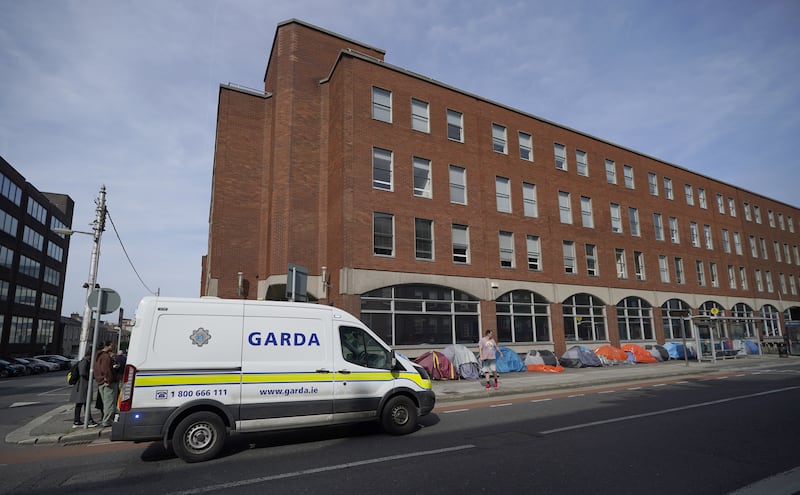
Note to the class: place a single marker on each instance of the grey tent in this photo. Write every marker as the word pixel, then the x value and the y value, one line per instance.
pixel 578 357
pixel 541 357
pixel 464 361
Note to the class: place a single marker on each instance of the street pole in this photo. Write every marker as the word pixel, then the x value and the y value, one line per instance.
pixel 99 226
pixel 101 301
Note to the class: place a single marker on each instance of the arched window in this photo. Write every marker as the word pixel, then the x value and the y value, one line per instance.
pixel 584 318
pixel 705 328
pixel 673 313
pixel 418 314
pixel 746 328
pixel 772 327
pixel 635 319
pixel 523 316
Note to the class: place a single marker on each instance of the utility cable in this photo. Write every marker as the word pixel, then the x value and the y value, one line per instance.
pixel 126 254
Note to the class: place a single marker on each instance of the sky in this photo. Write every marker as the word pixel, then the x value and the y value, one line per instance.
pixel 124 94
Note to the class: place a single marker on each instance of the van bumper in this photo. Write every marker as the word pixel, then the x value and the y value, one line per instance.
pixel 142 425
pixel 427 399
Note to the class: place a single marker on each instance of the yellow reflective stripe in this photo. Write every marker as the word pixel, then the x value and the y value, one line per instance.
pixel 285 377
pixel 249 378
pixel 156 380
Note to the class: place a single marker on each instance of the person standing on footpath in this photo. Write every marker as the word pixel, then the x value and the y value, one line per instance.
pixel 106 384
pixel 488 353
pixel 78 394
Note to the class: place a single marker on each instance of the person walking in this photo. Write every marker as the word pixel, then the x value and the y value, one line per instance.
pixel 488 354
pixel 79 390
pixel 106 384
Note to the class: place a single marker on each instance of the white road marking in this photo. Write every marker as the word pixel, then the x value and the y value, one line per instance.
pixel 541 400
pixel 324 469
pixel 501 405
pixel 666 411
pixel 455 410
pixel 21 404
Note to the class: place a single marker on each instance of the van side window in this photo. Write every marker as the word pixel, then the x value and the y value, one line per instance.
pixel 360 348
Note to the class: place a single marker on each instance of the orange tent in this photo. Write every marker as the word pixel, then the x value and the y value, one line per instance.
pixel 640 354
pixel 611 353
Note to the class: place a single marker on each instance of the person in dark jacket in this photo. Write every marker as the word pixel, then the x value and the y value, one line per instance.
pixel 78 394
pixel 106 384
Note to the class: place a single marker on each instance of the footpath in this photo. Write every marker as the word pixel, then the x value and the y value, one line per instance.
pixel 55 427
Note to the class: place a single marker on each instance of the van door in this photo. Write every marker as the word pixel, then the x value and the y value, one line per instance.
pixel 287 367
pixel 363 373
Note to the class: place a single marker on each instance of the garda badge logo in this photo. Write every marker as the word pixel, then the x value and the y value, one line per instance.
pixel 200 337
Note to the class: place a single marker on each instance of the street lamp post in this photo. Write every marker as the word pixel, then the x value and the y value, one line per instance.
pixel 99 227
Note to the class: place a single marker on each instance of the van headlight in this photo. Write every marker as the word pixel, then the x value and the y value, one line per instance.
pixel 422 372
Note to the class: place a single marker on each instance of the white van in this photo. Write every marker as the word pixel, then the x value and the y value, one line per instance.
pixel 198 369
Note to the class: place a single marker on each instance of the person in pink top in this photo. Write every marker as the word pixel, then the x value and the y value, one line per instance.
pixel 488 353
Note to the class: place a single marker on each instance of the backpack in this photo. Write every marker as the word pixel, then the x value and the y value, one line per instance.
pixel 74 374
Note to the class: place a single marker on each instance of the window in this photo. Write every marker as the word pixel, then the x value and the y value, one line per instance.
pixel 10 190
pixel 790 222
pixel 523 316
pixel 460 243
pixel 776 246
pixel 672 313
pixel 627 171
pixel 747 215
pixel 781 223
pixel 569 257
pixel 458 185
pixel 732 207
pixel 619 257
pixel 689 194
pixel 360 348
pixel 381 104
pixel 581 163
pixel 674 235
pixel 695 234
pixel 587 216
pixel 455 126
pixel 652 183
pixel 422 177
pixel 584 318
pixel 534 252
pixel 707 235
pixel 771 218
pixel 757 214
pixel 737 243
pixel 638 265
pixel 382 169
pixel 658 225
pixel 792 285
pixel 663 268
pixel 525 146
pixel 763 243
pixel 701 273
pixel 420 115
pixel 680 277
pixel 753 248
pixel 530 209
pixel 499 140
pixel 743 277
pixel 712 267
pixel 782 281
pixel 720 204
pixel 726 242
pixel 731 277
pixel 633 217
pixel 383 234
pixel 668 192
pixel 507 250
pixel 560 152
pixel 701 196
pixel 796 255
pixel 565 209
pixel 8 223
pixel 759 281
pixel 33 238
pixel 768 278
pixel 616 219
pixel 51 276
pixel 29 267
pixel 635 319
pixel 786 254
pixel 423 238
pixel 502 189
pixel 611 172
pixel 37 211
pixel 591 260
pixel 57 252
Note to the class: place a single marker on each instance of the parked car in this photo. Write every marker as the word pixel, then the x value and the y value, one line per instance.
pixel 33 368
pixel 8 368
pixel 64 363
pixel 48 365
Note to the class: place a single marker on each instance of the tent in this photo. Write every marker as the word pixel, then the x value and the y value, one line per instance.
pixel 611 355
pixel 640 354
pixel 509 361
pixel 578 357
pixel 464 361
pixel 750 347
pixel 676 351
pixel 541 357
pixel 658 352
pixel 437 365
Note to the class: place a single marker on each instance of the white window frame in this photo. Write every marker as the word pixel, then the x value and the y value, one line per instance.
pixel 525 146
pixel 499 139
pixel 565 207
pixel 701 198
pixel 627 173
pixel 663 268
pixel 502 188
pixel 638 265
pixel 695 234
pixel 534 248
pixel 587 215
pixel 658 226
pixel 669 193
pixel 732 207
pixel 390 235
pixel 418 238
pixel 652 183
pixel 689 192
pixel 743 277
pixel 422 173
pixel 570 265
pixel 726 241
pixel 712 269
pixel 460 241
pixel 611 171
pixel 709 239
pixel 458 184
pixel 506 240
pixel 592 267
pixel 530 205
pixel 674 230
pixel 455 123
pixel 420 116
pixel 731 277
pixel 380 183
pixel 737 243
pixel 700 271
pixel 560 154
pixel 582 163
pixel 720 204
pixel 381 104
pixel 621 264
pixel 616 218
pixel 633 220
pixel 680 272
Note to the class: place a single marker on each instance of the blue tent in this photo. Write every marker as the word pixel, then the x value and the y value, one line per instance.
pixel 676 350
pixel 509 361
pixel 750 347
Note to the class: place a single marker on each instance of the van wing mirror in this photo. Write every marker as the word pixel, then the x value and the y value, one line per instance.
pixel 393 358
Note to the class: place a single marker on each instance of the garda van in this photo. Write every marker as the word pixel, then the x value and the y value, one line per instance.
pixel 199 369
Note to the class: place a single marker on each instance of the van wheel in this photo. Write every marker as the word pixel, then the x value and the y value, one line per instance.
pixel 199 437
pixel 399 416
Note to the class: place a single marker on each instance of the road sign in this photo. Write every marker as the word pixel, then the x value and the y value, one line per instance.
pixel 714 311
pixel 110 300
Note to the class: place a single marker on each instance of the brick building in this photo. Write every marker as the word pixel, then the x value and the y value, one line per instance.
pixel 33 264
pixel 434 213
